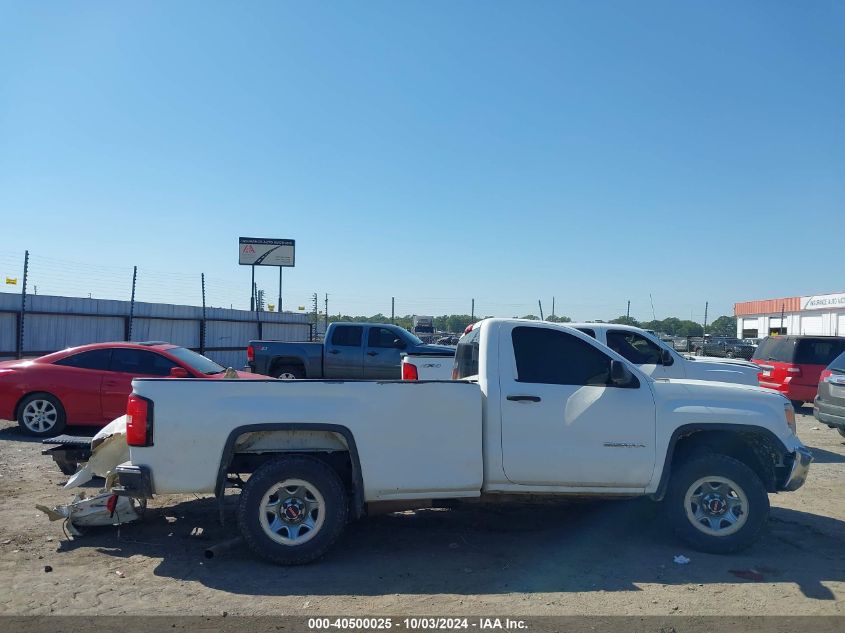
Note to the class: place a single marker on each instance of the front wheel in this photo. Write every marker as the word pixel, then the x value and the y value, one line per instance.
pixel 717 504
pixel 292 510
pixel 41 415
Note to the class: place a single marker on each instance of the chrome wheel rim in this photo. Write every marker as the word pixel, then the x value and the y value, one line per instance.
pixel 716 506
pixel 287 376
pixel 40 416
pixel 292 512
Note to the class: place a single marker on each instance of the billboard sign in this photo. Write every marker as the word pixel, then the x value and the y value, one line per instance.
pixel 259 251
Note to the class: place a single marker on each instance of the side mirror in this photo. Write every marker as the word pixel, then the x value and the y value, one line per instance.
pixel 620 375
pixel 666 357
pixel 398 343
pixel 178 372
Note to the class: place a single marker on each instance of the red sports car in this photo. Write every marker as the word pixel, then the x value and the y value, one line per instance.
pixel 89 385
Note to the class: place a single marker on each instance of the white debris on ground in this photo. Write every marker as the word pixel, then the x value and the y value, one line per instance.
pixel 108 449
pixel 680 559
pixel 105 508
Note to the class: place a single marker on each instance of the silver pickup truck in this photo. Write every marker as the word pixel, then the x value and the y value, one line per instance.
pixel 350 350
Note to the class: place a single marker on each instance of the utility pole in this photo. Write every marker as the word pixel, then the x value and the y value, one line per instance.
pixel 326 321
pixel 472 315
pixel 314 302
pixel 704 329
pixel 553 306
pixel 22 317
pixel 782 329
pixel 252 296
pixel 628 311
pixel 280 288
pixel 393 310
pixel 540 303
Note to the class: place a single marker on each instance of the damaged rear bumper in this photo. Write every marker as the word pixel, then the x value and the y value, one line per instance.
pixel 133 481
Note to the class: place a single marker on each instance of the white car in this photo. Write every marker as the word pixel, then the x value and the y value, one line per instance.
pixel 659 360
pixel 540 409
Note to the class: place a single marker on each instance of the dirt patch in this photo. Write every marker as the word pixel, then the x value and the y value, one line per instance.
pixel 585 558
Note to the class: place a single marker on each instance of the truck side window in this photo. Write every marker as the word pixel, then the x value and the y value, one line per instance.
pixel 634 347
pixel 381 337
pixel 551 357
pixel 347 335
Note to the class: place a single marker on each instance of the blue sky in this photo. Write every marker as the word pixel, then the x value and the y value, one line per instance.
pixel 597 152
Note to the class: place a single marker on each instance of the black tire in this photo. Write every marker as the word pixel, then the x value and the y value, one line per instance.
pixel 742 477
pixel 316 474
pixel 54 419
pixel 288 372
pixel 797 404
pixel 729 354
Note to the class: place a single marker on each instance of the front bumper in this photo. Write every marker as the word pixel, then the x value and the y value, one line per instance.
pixel 802 458
pixel 828 414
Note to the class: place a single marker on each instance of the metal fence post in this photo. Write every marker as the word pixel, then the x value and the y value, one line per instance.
pixel 202 323
pixel 132 304
pixel 22 317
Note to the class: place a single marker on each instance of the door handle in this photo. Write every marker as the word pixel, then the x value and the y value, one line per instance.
pixel 524 398
pixel 334 351
pixel 372 353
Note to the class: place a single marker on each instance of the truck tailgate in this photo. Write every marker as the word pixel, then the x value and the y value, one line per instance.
pixel 413 439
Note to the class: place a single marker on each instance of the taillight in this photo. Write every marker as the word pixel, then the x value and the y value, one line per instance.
pixel 139 421
pixel 825 375
pixel 409 372
pixel 250 353
pixel 469 328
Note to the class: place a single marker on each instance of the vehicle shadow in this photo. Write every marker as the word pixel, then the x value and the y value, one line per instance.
pixel 821 456
pixel 566 547
pixel 10 431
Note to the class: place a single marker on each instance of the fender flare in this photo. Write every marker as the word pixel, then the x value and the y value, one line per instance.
pixel 234 434
pixel 689 429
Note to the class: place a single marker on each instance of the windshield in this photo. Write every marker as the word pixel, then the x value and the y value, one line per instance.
pixel 195 361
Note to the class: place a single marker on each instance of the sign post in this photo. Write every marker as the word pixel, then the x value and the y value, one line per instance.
pixel 261 251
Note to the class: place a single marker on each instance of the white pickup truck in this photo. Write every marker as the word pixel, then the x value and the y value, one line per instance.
pixel 659 360
pixel 540 409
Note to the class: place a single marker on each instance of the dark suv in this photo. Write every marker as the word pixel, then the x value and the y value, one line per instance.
pixel 829 405
pixel 726 348
pixel 793 364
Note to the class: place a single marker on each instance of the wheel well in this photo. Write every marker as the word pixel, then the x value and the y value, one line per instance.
pixel 283 361
pixel 249 447
pixel 18 404
pixel 339 461
pixel 753 449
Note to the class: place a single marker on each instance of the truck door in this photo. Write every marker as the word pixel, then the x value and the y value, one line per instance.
pixel 344 353
pixel 382 358
pixel 563 422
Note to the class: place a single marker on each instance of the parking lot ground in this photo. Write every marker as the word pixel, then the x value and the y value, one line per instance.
pixel 604 558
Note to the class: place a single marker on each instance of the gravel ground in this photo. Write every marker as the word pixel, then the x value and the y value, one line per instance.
pixel 589 558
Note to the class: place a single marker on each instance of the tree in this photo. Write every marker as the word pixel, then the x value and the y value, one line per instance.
pixel 559 319
pixel 723 326
pixel 625 320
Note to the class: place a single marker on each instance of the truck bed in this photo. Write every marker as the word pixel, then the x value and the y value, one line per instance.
pixel 412 439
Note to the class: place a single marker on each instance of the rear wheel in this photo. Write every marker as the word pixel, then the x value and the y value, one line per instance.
pixel 717 504
pixel 729 354
pixel 288 372
pixel 41 415
pixel 292 510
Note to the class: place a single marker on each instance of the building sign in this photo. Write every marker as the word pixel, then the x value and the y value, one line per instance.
pixel 258 251
pixel 11 281
pixel 821 302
